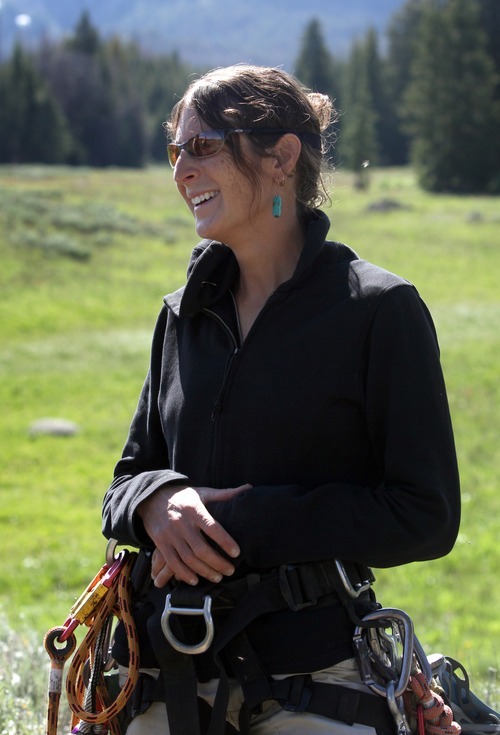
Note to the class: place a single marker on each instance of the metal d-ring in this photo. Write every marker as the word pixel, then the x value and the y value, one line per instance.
pixel 205 611
pixel 110 551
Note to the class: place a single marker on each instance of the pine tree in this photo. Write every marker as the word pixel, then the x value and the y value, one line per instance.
pixel 358 137
pixel 83 81
pixel 385 117
pixel 32 127
pixel 489 14
pixel 85 38
pixel 450 100
pixel 401 35
pixel 314 65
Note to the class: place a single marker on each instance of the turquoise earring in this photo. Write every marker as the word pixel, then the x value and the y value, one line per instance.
pixel 278 202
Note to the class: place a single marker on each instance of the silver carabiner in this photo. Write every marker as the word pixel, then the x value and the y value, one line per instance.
pixel 396 710
pixel 422 660
pixel 405 628
pixel 206 611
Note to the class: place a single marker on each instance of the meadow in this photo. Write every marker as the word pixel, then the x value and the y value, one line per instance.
pixel 86 257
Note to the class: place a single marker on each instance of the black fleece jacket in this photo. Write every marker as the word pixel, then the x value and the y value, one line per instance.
pixel 334 408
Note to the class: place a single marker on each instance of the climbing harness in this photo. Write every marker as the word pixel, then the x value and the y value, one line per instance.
pixel 106 597
pixel 407 692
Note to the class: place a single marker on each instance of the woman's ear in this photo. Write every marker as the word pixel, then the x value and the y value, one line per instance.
pixel 287 151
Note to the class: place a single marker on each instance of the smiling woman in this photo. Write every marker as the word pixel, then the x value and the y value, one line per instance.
pixel 294 414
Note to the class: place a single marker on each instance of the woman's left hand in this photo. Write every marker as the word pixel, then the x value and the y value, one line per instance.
pixel 177 521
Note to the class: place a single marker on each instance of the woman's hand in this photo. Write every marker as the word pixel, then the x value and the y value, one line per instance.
pixel 177 521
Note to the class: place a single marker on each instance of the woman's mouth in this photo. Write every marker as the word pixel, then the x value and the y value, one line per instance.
pixel 201 198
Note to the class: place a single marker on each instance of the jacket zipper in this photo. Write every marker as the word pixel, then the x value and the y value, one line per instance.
pixel 236 348
pixel 236 345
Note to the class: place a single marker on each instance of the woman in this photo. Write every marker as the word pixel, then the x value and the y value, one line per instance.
pixel 294 413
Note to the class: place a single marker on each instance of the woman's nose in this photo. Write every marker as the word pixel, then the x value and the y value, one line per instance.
pixel 185 168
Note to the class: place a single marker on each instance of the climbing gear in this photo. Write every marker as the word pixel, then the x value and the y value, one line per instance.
pixel 473 715
pixel 207 641
pixel 391 660
pixel 425 695
pixel 293 586
pixel 410 692
pixel 106 597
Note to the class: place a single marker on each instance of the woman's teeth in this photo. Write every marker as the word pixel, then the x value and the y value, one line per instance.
pixel 203 197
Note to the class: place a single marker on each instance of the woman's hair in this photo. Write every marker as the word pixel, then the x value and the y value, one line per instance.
pixel 245 96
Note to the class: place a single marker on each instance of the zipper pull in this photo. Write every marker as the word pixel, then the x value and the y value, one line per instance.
pixel 218 403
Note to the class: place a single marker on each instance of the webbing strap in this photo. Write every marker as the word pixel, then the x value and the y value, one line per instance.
pixel 291 587
pixel 180 683
pixel 301 694
pixel 264 597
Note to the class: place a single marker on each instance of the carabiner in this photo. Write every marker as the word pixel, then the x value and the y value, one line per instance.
pixel 86 604
pixel 110 551
pixel 206 611
pixel 396 710
pixel 405 628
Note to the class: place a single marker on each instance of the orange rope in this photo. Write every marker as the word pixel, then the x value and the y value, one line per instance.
pixel 429 708
pixel 115 602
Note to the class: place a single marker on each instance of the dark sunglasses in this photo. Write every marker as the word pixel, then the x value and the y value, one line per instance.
pixel 210 142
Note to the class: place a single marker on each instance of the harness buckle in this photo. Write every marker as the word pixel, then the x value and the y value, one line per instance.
pixel 299 695
pixel 205 611
pixel 287 591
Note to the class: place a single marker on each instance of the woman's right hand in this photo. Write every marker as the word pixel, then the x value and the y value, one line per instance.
pixel 177 521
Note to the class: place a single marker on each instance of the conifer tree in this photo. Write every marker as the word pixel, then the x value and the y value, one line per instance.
pixel 489 15
pixel 32 127
pixel 450 100
pixel 85 38
pixel 84 80
pixel 358 137
pixel 314 65
pixel 383 107
pixel 401 34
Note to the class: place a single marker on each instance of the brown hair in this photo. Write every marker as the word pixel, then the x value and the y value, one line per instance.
pixel 246 96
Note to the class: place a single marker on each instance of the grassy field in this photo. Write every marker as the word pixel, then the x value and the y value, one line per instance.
pixel 86 257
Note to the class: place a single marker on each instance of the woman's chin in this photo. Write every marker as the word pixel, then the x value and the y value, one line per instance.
pixel 205 230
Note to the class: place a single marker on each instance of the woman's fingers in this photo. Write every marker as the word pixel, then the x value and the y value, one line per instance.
pixel 191 555
pixel 190 542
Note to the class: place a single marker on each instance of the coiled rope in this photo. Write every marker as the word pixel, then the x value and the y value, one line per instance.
pixel 86 694
pixel 428 709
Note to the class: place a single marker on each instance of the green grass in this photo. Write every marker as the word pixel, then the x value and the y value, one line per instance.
pixel 86 257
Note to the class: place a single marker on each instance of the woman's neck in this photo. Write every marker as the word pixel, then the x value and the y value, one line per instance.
pixel 263 267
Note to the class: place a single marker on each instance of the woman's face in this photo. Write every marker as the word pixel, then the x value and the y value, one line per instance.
pixel 224 202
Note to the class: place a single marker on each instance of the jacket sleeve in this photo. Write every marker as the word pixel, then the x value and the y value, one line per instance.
pixel 144 466
pixel 414 513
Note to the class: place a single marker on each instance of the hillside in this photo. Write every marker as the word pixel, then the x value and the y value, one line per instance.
pixel 204 32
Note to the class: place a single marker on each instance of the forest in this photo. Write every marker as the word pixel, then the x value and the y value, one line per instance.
pixel 430 98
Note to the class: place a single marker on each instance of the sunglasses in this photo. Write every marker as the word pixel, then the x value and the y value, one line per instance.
pixel 210 142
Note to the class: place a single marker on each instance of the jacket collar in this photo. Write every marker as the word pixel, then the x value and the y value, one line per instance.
pixel 213 269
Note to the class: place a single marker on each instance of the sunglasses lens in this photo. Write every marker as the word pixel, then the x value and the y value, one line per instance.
pixel 173 152
pixel 207 143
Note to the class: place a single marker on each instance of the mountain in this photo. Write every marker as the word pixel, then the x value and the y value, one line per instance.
pixel 203 32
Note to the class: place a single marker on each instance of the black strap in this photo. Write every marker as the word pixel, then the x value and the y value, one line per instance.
pixel 291 586
pixel 179 679
pixel 302 694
